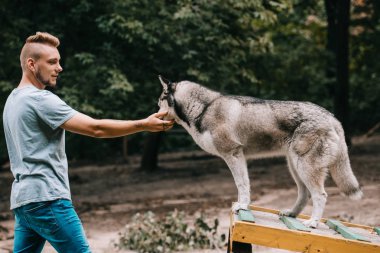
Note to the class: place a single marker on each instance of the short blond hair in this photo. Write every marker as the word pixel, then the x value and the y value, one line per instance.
pixel 43 38
pixel 31 48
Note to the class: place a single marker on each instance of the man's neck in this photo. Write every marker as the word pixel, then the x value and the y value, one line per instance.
pixel 26 80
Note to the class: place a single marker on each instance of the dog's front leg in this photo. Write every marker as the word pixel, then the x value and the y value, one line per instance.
pixel 237 163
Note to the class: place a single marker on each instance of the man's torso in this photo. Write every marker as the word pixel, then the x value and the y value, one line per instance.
pixel 36 145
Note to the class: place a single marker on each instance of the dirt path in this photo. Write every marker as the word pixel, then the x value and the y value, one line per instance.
pixel 107 196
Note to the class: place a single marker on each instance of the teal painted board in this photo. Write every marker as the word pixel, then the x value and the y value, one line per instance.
pixel 377 230
pixel 246 215
pixel 345 231
pixel 293 223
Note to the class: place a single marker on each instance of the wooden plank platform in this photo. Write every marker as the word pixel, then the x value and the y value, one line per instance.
pixel 268 230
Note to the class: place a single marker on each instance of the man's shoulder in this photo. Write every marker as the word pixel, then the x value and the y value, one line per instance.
pixel 31 98
pixel 29 92
pixel 37 95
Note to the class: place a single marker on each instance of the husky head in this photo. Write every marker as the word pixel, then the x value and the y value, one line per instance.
pixel 166 100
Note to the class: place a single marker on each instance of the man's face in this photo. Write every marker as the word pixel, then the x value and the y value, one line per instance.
pixel 47 67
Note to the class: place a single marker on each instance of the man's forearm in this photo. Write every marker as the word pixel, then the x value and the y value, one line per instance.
pixel 108 128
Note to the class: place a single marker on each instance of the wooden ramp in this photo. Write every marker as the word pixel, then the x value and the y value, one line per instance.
pixel 266 228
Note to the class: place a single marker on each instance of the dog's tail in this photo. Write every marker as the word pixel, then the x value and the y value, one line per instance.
pixel 343 176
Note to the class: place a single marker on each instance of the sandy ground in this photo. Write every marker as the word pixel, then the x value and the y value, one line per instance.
pixel 107 196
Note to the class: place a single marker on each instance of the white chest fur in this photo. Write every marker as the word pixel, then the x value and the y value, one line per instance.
pixel 204 140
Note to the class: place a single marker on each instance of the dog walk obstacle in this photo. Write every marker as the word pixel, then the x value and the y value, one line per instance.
pixel 265 227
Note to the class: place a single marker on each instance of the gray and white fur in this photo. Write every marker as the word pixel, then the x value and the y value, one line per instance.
pixel 232 127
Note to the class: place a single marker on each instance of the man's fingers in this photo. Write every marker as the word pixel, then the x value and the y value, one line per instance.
pixel 168 122
pixel 160 114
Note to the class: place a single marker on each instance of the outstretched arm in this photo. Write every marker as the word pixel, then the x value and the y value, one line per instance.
pixel 108 128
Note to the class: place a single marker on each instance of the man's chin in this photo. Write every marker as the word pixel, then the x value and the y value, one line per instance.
pixel 51 86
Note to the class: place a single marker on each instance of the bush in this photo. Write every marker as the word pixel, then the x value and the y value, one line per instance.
pixel 146 233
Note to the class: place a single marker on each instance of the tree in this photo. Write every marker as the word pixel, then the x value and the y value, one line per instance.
pixel 338 17
pixel 149 159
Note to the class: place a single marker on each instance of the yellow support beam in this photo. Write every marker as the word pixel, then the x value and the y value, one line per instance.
pixel 309 242
pixel 297 240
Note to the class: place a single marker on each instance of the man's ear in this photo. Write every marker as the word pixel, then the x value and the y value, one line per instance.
pixel 30 64
pixel 164 85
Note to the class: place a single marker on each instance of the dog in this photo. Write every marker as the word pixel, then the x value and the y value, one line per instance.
pixel 232 127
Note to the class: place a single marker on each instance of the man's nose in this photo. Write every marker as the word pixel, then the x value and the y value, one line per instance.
pixel 59 69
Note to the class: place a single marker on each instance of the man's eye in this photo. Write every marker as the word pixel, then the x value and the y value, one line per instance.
pixel 52 62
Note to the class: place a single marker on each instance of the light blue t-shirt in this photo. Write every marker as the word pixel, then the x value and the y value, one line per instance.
pixel 36 145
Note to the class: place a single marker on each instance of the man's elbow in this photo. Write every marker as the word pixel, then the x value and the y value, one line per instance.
pixel 99 134
pixel 85 125
pixel 97 130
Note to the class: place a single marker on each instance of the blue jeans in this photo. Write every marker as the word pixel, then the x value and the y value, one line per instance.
pixel 53 221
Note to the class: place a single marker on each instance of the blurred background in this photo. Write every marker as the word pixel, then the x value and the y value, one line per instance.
pixel 325 52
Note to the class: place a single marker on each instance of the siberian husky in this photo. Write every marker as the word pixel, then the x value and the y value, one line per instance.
pixel 233 126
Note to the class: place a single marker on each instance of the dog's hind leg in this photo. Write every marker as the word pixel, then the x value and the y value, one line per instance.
pixel 237 163
pixel 314 179
pixel 308 152
pixel 303 193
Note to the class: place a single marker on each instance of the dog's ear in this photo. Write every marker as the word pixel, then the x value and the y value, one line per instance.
pixel 165 85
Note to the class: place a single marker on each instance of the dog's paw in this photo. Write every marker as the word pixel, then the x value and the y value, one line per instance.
pixel 287 212
pixel 311 223
pixel 238 206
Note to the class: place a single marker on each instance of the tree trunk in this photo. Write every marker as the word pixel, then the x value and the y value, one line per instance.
pixel 149 160
pixel 125 148
pixel 338 17
pixel 330 6
pixel 341 95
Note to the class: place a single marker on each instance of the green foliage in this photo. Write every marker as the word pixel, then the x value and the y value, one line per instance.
pixel 364 65
pixel 112 52
pixel 296 67
pixel 147 233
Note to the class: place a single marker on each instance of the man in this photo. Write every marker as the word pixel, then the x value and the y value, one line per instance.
pixel 35 121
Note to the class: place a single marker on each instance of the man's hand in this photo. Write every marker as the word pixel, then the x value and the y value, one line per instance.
pixel 154 122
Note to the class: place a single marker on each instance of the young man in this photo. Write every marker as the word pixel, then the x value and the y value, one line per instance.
pixel 35 121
